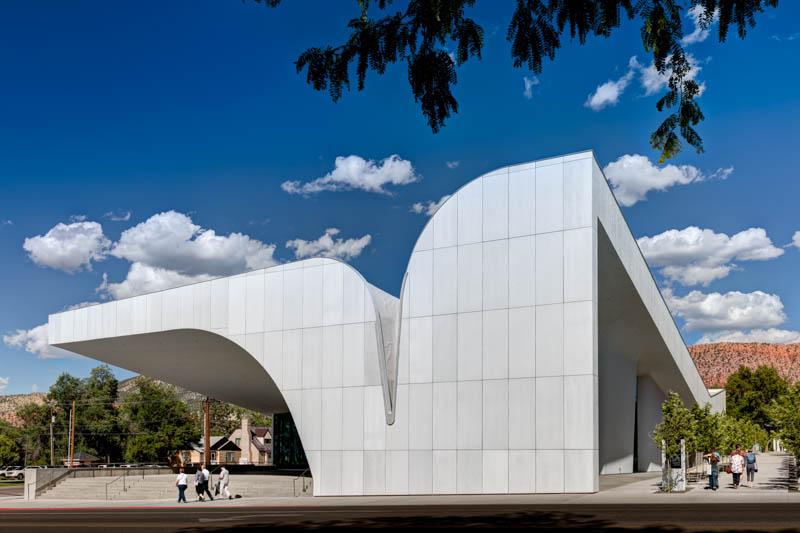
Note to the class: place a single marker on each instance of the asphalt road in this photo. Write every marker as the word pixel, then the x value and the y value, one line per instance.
pixel 660 518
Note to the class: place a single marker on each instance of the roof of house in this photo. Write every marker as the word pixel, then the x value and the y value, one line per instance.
pixel 217 443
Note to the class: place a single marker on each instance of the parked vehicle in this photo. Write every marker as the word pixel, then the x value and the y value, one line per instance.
pixel 10 471
pixel 16 472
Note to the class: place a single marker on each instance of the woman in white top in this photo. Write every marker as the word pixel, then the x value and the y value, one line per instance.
pixel 737 465
pixel 181 484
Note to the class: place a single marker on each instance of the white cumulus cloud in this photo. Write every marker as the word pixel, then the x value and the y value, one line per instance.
pixel 121 216
pixel 608 93
pixel 695 256
pixel 529 83
pixel 632 176
pixel 328 246
pixel 796 239
pixel 701 22
pixel 144 279
pixel 771 335
pixel 68 247
pixel 726 312
pixel 4 383
pixel 428 208
pixel 356 173
pixel 34 341
pixel 653 81
pixel 452 164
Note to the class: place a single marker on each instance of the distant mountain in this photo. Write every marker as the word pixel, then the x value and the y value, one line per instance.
pixel 716 362
pixel 127 386
pixel 9 405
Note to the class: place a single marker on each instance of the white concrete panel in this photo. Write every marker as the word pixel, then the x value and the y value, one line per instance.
pixel 470 278
pixel 330 477
pixel 521 345
pixel 495 274
pixel 470 212
pixel 445 416
pixel 445 347
pixel 397 472
pixel 578 193
pixel 445 224
pixel 67 326
pixel 292 299
pixel 578 264
pixel 254 310
pixel 353 418
pixel 312 297
pixel 444 472
pixel 550 340
pixel 312 358
pixel 186 302
pixel 332 356
pixel 273 356
pixel 154 311
pixel 470 415
pixel 219 303
pixel 495 414
pixel 124 318
pixel 580 471
pixel 445 281
pixel 579 344
pixel 495 471
pixel 374 472
pixel 254 344
pixel 292 359
pixel 95 329
pixel 202 305
pixel 495 344
pixel 521 202
pixel 420 409
pixel 469 471
pixel 580 425
pixel 397 433
pixel 81 328
pixel 352 473
pixel 332 419
pixel 54 328
pixel 372 373
pixel 353 294
pixel 425 240
pixel 294 400
pixel 237 295
pixel 421 280
pixel 109 320
pixel 312 419
pixel 521 272
pixel 333 294
pixel 549 198
pixel 403 356
pixel 521 413
pixel 521 471
pixel 353 355
pixel 420 472
pixel 549 273
pixel 273 312
pixel 140 310
pixel 470 346
pixel 495 207
pixel 549 414
pixel 549 471
pixel 374 419
pixel 421 350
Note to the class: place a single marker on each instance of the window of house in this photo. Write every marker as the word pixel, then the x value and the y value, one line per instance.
pixel 238 441
pixel 213 457
pixel 230 457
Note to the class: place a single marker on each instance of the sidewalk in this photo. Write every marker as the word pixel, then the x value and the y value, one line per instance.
pixel 772 486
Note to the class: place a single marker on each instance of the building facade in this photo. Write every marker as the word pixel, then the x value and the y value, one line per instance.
pixel 529 350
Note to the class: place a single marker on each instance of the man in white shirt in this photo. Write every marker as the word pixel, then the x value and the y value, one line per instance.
pixel 224 479
pixel 181 483
pixel 206 481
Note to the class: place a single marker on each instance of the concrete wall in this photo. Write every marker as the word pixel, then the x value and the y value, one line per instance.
pixel 649 400
pixel 617 413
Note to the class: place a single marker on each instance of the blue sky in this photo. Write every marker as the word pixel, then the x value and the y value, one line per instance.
pixel 195 107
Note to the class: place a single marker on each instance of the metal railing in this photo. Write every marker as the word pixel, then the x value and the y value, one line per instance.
pixel 123 477
pixel 305 486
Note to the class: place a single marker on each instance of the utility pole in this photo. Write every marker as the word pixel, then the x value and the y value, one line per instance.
pixel 52 447
pixel 206 434
pixel 72 436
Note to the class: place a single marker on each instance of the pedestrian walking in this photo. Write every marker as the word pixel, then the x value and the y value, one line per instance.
pixel 206 481
pixel 224 479
pixel 737 465
pixel 181 483
pixel 198 483
pixel 751 466
pixel 713 478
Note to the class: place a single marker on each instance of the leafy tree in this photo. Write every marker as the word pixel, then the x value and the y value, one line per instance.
pixel 741 432
pixel 708 428
pixel 158 423
pixel 784 413
pixel 10 449
pixel 420 33
pixel 97 414
pixel 750 392
pixel 34 437
pixel 677 423
pixel 226 417
pixel 61 395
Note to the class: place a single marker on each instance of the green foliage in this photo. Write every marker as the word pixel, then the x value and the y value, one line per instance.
pixel 750 392
pixel 742 432
pixel 421 34
pixel 158 421
pixel 225 418
pixel 677 423
pixel 97 416
pixel 34 434
pixel 784 413
pixel 9 451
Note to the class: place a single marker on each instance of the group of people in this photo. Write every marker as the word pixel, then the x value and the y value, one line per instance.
pixel 740 462
pixel 201 480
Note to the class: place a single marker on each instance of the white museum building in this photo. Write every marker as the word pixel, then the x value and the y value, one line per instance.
pixel 529 351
